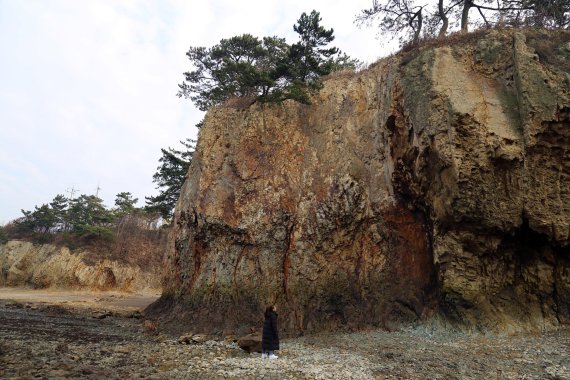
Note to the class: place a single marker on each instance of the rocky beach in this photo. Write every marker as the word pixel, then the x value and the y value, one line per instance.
pixel 407 217
pixel 105 338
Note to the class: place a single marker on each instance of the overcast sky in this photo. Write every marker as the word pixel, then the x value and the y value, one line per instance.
pixel 87 88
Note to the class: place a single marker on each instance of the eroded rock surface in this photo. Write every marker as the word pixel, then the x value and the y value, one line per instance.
pixel 436 181
pixel 44 266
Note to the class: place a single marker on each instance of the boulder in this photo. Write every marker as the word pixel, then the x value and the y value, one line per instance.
pixel 185 339
pixel 101 314
pixel 199 338
pixel 250 342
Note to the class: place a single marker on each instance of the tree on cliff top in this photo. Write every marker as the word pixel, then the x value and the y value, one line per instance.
pixel 238 66
pixel 410 20
pixel 310 58
pixel 402 18
pixel 267 70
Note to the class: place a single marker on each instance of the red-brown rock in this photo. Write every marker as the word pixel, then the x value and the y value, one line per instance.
pixel 437 181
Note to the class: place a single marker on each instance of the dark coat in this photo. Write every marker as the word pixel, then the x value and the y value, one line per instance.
pixel 270 338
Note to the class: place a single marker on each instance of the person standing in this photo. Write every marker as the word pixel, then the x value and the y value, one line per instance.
pixel 270 337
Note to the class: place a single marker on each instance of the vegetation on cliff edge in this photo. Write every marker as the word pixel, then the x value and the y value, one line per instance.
pixel 267 69
pixel 412 20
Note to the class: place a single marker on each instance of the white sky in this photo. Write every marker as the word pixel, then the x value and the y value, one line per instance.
pixel 87 88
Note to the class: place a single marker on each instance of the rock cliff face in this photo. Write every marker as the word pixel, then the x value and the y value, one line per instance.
pixel 47 266
pixel 436 181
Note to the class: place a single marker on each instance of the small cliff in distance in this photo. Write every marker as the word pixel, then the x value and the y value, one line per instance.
pixel 434 182
pixel 24 264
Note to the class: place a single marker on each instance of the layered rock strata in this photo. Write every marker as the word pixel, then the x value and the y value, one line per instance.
pixel 47 266
pixel 436 181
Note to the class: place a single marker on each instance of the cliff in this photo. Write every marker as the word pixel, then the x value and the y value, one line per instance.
pixel 48 266
pixel 434 182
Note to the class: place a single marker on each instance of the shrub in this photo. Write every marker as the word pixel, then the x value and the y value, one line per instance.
pixel 3 236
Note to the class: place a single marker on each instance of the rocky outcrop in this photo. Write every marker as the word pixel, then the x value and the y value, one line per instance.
pixel 434 181
pixel 44 266
pixel 490 163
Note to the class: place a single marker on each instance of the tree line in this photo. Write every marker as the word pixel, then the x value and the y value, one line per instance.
pixel 85 216
pixel 411 20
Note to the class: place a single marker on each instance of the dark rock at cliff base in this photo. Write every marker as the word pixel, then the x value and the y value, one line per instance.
pixel 250 342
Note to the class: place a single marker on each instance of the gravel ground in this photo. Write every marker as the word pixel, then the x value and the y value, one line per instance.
pixel 49 341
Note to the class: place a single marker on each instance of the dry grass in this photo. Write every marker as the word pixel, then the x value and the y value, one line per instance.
pixel 341 74
pixel 132 245
pixel 411 50
pixel 552 48
pixel 456 38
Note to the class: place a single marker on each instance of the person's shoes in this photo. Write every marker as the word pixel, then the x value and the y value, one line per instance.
pixel 263 356
pixel 273 356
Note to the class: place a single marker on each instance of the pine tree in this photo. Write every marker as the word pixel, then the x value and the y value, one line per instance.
pixel 170 177
pixel 266 70
pixel 59 206
pixel 125 204
pixel 309 58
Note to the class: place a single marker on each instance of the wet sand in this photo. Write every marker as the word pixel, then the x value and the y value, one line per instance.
pixel 105 300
